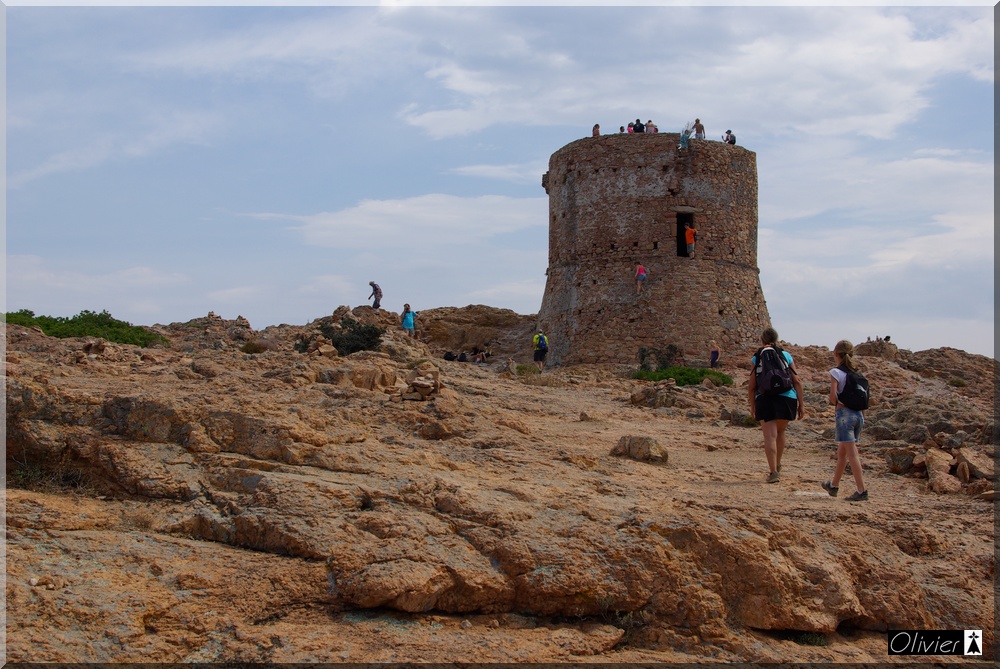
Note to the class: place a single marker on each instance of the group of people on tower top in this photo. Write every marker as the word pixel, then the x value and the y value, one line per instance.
pixel 694 130
pixel 639 127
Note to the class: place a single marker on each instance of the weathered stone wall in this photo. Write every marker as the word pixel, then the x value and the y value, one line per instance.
pixel 620 199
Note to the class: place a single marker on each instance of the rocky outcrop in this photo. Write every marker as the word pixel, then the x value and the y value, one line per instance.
pixel 199 503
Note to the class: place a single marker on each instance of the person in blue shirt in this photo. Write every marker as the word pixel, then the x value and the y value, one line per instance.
pixel 775 411
pixel 409 321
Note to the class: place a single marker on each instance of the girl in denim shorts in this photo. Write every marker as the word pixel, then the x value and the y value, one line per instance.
pixel 849 424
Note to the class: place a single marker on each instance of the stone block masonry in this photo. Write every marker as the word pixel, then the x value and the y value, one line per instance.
pixel 620 199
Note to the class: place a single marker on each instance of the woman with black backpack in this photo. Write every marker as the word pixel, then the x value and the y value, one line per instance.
pixel 845 383
pixel 776 397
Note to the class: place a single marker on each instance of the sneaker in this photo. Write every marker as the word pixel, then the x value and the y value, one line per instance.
pixel 858 496
pixel 773 477
pixel 830 488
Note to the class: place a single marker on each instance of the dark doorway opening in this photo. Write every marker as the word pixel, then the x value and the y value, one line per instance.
pixel 682 220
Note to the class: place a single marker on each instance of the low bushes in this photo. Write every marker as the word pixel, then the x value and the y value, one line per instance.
pixel 88 324
pixel 684 376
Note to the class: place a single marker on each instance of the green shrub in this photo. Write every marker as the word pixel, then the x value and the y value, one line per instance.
pixel 958 382
pixel 88 324
pixel 685 376
pixel 353 336
pixel 526 370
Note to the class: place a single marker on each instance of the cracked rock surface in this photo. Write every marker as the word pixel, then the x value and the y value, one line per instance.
pixel 198 503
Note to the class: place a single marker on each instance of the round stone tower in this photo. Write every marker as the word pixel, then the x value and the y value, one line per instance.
pixel 620 199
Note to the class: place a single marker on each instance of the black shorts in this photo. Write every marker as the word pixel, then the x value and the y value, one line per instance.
pixel 775 407
pixel 540 355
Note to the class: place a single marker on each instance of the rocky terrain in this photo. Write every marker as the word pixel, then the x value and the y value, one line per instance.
pixel 199 503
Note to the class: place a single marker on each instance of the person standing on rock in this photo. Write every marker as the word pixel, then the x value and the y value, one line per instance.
pixel 540 343
pixel 409 321
pixel 713 354
pixel 773 409
pixel 377 294
pixel 699 129
pixel 848 425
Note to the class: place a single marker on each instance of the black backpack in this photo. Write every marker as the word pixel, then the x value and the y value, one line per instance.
pixel 855 392
pixel 774 376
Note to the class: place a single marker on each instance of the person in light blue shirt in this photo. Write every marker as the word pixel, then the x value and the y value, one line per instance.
pixel 409 321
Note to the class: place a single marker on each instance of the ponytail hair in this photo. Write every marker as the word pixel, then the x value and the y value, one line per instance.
pixel 845 350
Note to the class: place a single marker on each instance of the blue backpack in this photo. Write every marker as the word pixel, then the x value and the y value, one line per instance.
pixel 543 343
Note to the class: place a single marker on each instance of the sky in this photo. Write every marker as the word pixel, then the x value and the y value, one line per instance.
pixel 266 161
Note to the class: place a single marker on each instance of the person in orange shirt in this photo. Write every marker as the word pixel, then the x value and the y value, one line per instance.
pixel 690 237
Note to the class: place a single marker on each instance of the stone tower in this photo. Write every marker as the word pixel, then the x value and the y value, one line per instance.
pixel 619 199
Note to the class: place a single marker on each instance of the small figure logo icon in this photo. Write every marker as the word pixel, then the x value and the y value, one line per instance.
pixel 972 642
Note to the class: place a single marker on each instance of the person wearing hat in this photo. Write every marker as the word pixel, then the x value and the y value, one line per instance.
pixel 729 137
pixel 377 294
pixel 541 347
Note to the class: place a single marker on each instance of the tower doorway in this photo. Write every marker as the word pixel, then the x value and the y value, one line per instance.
pixel 683 218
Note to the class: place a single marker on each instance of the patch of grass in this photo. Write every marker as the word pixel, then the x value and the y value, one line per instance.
pixel 527 370
pixel 37 478
pixel 810 639
pixel 957 382
pixel 685 376
pixel 88 324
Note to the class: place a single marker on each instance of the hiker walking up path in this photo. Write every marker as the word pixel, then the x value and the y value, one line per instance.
pixel 377 294
pixel 848 422
pixel 540 344
pixel 776 397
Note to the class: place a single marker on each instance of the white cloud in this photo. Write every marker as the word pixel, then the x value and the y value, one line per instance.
pixel 116 143
pixel 427 223
pixel 32 283
pixel 524 173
